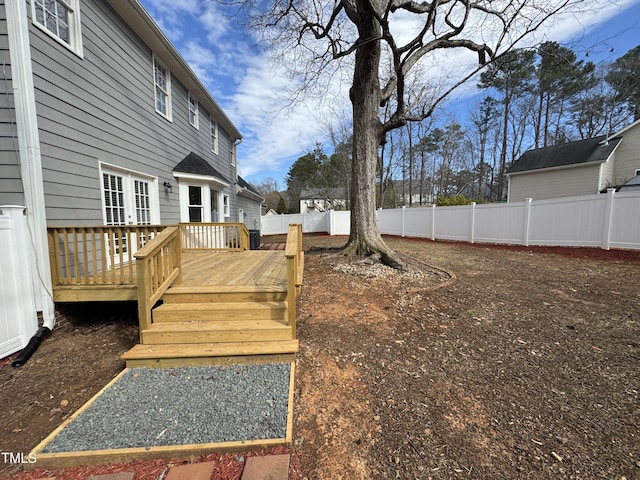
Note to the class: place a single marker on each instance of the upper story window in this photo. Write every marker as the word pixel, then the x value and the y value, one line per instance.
pixel 162 88
pixel 213 126
pixel 194 113
pixel 233 154
pixel 60 19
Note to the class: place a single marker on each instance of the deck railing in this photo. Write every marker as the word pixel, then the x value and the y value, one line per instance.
pixel 158 267
pixel 97 255
pixel 214 236
pixel 295 259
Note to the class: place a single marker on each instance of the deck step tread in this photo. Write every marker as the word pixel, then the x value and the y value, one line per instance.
pixel 221 306
pixel 204 289
pixel 196 350
pixel 212 326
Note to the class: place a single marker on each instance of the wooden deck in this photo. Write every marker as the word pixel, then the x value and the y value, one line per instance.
pixel 197 304
pixel 233 269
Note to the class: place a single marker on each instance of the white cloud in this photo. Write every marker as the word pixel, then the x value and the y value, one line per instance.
pixel 250 88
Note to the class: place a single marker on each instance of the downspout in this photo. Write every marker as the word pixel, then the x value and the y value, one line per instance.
pixel 29 156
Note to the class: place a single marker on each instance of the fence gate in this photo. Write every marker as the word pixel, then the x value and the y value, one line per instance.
pixel 18 318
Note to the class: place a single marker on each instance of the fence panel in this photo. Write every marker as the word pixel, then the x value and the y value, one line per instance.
pixel 418 222
pixel 390 221
pixel 453 223
pixel 18 318
pixel 340 222
pixel 572 221
pixel 625 221
pixel 500 223
pixel 314 222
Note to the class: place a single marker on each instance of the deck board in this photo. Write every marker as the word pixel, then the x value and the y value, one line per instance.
pixel 253 267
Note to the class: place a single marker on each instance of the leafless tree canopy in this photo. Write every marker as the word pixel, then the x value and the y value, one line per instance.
pixel 311 35
pixel 385 42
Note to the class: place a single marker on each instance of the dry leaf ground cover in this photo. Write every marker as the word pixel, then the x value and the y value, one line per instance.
pixel 501 363
pixel 525 365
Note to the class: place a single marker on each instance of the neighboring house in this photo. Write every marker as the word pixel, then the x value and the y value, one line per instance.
pixel 632 185
pixel 103 122
pixel 472 192
pixel 576 168
pixel 321 200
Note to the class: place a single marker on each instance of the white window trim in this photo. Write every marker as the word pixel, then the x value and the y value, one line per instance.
pixel 130 176
pixel 214 135
pixel 75 34
pixel 637 172
pixel 226 206
pixel 196 113
pixel 207 188
pixel 155 60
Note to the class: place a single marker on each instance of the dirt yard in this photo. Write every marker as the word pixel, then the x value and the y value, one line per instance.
pixel 481 362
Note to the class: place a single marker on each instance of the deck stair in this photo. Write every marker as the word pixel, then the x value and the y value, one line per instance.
pixel 216 324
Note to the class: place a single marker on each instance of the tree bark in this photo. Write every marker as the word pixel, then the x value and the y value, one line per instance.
pixel 364 238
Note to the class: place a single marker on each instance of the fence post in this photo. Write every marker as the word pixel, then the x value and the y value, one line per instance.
pixel 608 214
pixel 473 222
pixel 331 222
pixel 403 209
pixel 527 217
pixel 433 222
pixel 380 220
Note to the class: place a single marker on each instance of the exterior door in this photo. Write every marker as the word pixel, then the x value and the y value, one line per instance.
pixel 128 200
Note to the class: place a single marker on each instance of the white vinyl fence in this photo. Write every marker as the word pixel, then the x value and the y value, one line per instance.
pixel 609 220
pixel 18 318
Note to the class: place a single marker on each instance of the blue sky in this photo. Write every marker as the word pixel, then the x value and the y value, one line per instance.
pixel 252 91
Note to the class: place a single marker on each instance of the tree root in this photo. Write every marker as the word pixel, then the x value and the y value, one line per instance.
pixel 369 248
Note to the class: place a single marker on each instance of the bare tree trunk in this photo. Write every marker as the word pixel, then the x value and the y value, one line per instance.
pixel 364 238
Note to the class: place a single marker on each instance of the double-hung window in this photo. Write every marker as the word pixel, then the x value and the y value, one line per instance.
pixel 162 88
pixel 60 19
pixel 213 127
pixel 194 113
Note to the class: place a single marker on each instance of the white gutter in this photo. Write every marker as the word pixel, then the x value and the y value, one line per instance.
pixel 29 155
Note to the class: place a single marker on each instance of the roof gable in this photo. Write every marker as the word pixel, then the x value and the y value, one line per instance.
pixel 196 165
pixel 592 150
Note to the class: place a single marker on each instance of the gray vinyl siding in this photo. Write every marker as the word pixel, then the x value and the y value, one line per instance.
pixel 554 183
pixel 251 212
pixel 101 109
pixel 11 191
pixel 627 156
pixel 606 172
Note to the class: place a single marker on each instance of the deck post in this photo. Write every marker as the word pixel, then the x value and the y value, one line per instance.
pixel 294 255
pixel 144 309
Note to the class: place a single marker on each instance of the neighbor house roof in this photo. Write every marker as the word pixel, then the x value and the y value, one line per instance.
pixel 581 152
pixel 134 14
pixel 632 185
pixel 194 164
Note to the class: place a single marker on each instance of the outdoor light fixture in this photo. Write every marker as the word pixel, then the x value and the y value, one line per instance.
pixel 167 186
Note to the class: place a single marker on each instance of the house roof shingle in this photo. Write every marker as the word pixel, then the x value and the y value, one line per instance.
pixel 196 165
pixel 592 150
pixel 246 185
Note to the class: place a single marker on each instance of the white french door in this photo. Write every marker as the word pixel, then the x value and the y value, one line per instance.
pixel 128 199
